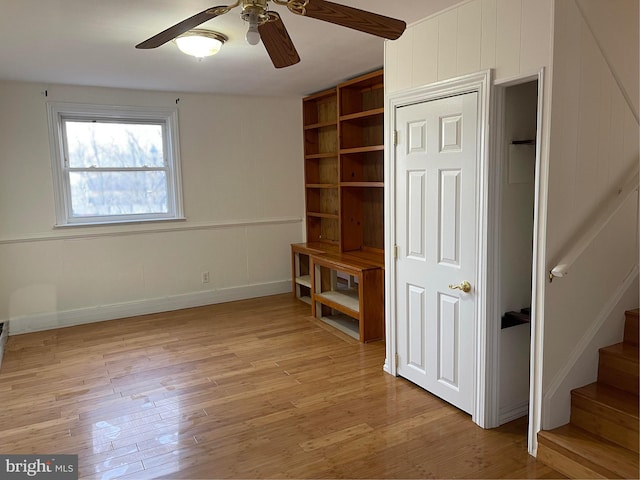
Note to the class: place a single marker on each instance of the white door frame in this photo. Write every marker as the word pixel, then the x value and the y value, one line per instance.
pixel 539 271
pixel 485 375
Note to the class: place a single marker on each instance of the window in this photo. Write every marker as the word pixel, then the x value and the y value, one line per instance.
pixel 114 164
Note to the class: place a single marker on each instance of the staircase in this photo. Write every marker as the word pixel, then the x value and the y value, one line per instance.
pixel 601 440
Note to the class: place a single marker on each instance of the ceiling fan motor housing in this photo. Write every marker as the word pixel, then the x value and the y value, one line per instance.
pixel 255 11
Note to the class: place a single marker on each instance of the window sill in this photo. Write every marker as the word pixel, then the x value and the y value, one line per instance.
pixel 112 223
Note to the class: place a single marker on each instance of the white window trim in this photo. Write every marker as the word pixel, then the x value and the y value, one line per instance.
pixel 57 111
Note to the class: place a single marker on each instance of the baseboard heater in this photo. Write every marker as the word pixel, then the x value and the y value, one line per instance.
pixel 4 333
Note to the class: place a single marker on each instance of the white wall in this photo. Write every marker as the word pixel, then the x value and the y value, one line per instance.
pixel 593 151
pixel 515 350
pixel 243 197
pixel 589 143
pixel 511 36
pixel 615 27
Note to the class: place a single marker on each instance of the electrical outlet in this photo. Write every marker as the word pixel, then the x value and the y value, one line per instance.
pixel 205 277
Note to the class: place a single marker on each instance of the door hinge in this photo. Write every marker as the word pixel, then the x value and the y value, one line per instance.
pixel 395 251
pixel 395 138
pixel 397 360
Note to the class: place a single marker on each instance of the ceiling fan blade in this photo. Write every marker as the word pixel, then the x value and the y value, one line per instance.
pixel 277 41
pixel 385 27
pixel 182 27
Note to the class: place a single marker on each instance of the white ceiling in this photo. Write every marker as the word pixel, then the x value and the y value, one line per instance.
pixel 91 42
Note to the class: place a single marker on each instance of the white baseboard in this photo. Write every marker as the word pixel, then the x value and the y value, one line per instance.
pixel 68 318
pixel 512 412
pixel 386 367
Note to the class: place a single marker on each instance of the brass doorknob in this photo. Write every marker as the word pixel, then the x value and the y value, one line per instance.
pixel 464 286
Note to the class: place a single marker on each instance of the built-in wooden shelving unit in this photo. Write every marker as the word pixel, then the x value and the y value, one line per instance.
pixel 344 190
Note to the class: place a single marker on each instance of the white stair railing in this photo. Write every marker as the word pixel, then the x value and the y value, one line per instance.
pixel 599 223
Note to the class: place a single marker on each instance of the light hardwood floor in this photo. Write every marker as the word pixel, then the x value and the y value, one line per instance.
pixel 251 389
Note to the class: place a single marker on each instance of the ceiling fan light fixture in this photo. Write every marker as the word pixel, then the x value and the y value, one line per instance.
pixel 266 26
pixel 253 34
pixel 200 42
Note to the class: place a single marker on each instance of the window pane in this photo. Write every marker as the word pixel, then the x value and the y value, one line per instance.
pixel 113 145
pixel 118 193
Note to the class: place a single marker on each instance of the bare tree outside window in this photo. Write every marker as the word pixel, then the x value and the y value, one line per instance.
pixel 112 168
pixel 115 168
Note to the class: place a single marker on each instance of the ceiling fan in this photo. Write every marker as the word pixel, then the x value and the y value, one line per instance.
pixel 266 25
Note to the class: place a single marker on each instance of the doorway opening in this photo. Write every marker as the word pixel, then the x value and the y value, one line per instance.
pixel 516 148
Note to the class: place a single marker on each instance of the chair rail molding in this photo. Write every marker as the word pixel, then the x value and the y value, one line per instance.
pixel 142 228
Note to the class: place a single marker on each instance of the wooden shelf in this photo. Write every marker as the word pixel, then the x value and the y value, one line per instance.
pixel 344 163
pixel 322 215
pixel 304 280
pixel 344 300
pixel 361 134
pixel 344 323
pixel 368 148
pixel 360 115
pixel 362 214
pixel 320 107
pixel 362 300
pixel 301 275
pixel 321 185
pixel 321 167
pixel 362 167
pixel 321 155
pixel 320 139
pixel 305 298
pixel 373 256
pixel 362 184
pixel 361 94
pixel 347 288
pixel 344 192
pixel 331 123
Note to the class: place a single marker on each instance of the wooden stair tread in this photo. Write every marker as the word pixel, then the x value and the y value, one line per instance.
pixel 601 441
pixel 618 366
pixel 611 397
pixel 592 452
pixel 631 328
pixel 608 412
pixel 622 350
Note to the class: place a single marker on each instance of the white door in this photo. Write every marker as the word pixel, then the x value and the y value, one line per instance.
pixel 436 234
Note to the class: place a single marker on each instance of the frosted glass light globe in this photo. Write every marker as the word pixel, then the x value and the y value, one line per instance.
pixel 200 43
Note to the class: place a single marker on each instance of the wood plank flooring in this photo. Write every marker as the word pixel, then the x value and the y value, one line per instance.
pixel 251 389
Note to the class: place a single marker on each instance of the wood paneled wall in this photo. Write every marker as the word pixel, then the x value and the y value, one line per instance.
pixel 512 36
